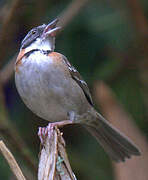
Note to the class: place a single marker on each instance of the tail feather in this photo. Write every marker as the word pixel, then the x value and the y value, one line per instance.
pixel 118 146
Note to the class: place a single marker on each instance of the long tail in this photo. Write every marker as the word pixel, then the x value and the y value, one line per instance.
pixel 118 146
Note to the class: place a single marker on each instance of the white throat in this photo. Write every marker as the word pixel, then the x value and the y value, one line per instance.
pixel 42 44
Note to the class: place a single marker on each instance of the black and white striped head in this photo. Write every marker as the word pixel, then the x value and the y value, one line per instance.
pixel 41 37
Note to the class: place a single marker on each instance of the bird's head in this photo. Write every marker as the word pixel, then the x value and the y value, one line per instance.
pixel 41 37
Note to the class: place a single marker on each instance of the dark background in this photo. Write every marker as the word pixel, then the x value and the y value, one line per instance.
pixel 107 41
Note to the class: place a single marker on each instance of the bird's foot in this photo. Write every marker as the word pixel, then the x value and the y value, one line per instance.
pixel 43 132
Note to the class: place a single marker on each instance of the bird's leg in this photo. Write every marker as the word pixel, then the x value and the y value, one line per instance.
pixel 43 132
pixel 72 116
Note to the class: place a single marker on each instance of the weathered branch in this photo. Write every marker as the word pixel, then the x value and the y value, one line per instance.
pixel 7 71
pixel 11 161
pixel 54 163
pixel 9 132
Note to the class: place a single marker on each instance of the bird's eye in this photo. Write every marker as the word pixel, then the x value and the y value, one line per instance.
pixel 33 32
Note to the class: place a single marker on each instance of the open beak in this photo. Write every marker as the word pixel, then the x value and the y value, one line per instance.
pixel 51 29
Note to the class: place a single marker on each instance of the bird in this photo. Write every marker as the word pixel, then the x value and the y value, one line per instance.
pixel 55 91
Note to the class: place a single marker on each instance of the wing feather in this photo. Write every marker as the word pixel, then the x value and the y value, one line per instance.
pixel 78 78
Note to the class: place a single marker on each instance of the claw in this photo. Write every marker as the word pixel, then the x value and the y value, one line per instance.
pixel 43 132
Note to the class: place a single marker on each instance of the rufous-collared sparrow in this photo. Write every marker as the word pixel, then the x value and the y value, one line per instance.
pixel 55 91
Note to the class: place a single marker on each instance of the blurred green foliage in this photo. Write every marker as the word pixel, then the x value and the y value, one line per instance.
pixel 95 42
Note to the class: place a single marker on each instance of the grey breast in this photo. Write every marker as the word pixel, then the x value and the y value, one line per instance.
pixel 45 89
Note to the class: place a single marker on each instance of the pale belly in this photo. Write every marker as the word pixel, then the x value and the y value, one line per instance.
pixel 47 92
